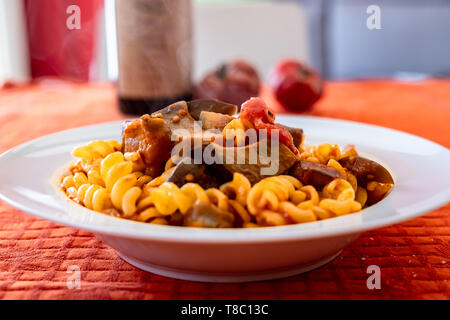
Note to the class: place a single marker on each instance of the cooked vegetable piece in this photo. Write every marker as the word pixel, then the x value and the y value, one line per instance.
pixel 253 171
pixel 376 192
pixel 374 197
pixel 366 170
pixel 176 219
pixel 297 135
pixel 206 215
pixel 213 120
pixel 197 106
pixel 315 174
pixel 202 174
pixel 177 116
pixel 257 112
pixel 151 137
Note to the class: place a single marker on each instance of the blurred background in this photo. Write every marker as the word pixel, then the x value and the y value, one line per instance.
pixel 331 35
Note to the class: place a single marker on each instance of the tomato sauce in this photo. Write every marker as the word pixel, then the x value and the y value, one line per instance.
pixel 257 112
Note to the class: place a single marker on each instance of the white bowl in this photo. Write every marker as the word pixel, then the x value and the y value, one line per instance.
pixel 420 169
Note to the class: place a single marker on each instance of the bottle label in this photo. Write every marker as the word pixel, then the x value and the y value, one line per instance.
pixel 155 48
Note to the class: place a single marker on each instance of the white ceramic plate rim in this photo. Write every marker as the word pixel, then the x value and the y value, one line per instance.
pixel 137 230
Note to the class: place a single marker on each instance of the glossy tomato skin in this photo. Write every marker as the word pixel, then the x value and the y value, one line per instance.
pixel 258 113
pixel 295 85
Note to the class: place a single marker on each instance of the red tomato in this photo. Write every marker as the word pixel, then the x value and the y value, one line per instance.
pixel 233 82
pixel 257 112
pixel 296 85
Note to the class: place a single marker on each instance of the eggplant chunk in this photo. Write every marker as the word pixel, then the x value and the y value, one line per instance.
pixel 197 106
pixel 197 173
pixel 366 170
pixel 176 116
pixel 297 135
pixel 206 215
pixel 315 174
pixel 214 120
pixel 255 165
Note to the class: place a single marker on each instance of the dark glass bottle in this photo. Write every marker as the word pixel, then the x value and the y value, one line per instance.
pixel 154 39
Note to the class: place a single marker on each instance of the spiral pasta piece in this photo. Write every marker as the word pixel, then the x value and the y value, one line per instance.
pixel 136 159
pixel 120 182
pixel 161 179
pixel 270 218
pixel 118 171
pixel 308 156
pixel 340 207
pixel 238 188
pixel 339 189
pixel 361 196
pixel 296 214
pixel 349 151
pixel 68 182
pixel 269 192
pixel 168 198
pixel 129 200
pixel 96 149
pixel 147 214
pixel 336 165
pixel 339 197
pixel 108 162
pixel 322 213
pixel 92 196
pixel 79 179
pixel 312 198
pixel 218 198
pixel 325 151
pixel 195 192
pixel 236 129
pixel 94 177
pixel 240 210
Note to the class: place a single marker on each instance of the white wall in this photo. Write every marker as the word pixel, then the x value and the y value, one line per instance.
pixel 263 33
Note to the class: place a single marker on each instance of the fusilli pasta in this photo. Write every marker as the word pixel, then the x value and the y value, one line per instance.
pixel 106 180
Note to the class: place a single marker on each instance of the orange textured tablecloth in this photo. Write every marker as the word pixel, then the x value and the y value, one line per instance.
pixel 414 256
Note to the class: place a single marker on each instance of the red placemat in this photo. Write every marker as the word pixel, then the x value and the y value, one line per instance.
pixel 414 256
